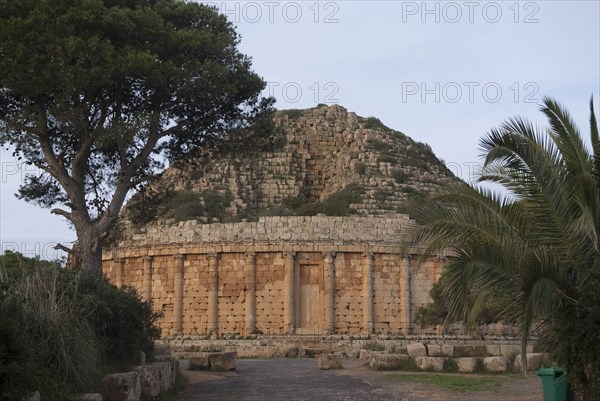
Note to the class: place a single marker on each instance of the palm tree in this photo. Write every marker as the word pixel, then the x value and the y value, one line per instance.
pixel 532 250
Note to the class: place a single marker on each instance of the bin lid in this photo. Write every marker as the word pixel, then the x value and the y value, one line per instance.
pixel 550 372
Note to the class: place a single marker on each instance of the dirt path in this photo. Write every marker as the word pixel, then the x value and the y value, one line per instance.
pixel 300 379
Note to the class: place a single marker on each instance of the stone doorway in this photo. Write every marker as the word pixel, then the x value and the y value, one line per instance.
pixel 308 313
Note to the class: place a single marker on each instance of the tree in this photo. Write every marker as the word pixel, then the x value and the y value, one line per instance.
pixel 533 250
pixel 98 93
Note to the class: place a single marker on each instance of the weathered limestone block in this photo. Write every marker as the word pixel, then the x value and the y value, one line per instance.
pixel 493 350
pixel 534 362
pixel 154 379
pixel 463 351
pixel 511 351
pixel 87 397
pixel 380 361
pixel 466 365
pixel 173 362
pixel 416 349
pixel 435 364
pixel 199 363
pixel 222 361
pixel 434 350
pixel 365 355
pixel 495 363
pixel 122 387
pixel 447 350
pixel 330 361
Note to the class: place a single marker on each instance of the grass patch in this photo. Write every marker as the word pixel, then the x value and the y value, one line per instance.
pixel 459 384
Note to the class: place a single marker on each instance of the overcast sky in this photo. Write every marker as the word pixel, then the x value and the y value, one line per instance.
pixel 443 73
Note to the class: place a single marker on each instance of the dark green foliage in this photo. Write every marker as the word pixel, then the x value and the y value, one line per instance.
pixel 293 113
pixel 399 176
pixel 215 203
pixel 189 205
pixel 450 365
pixel 386 159
pixel 360 168
pixel 377 145
pixel 184 205
pixel 123 323
pixel 374 123
pixel 61 329
pixel 435 312
pixel 479 366
pixel 532 255
pixel 97 94
pixel 338 204
pixel 294 202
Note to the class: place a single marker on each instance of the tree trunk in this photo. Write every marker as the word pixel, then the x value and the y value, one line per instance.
pixel 88 251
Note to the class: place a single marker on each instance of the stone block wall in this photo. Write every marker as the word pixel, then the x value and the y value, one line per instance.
pixel 281 275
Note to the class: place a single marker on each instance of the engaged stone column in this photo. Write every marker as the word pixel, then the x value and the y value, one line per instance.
pixel 405 297
pixel 251 292
pixel 369 321
pixel 213 293
pixel 120 269
pixel 147 278
pixel 329 264
pixel 178 307
pixel 289 296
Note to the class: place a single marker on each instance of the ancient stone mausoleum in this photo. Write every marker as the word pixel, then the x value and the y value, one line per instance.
pixel 280 275
pixel 306 238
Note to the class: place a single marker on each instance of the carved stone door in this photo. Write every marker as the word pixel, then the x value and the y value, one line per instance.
pixel 309 299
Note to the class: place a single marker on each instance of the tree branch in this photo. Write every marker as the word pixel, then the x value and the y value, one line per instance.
pixel 63 213
pixel 61 247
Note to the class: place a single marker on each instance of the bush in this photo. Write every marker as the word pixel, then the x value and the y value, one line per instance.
pixel 360 168
pixel 123 322
pixel 184 205
pixel 374 123
pixel 65 328
pixel 450 365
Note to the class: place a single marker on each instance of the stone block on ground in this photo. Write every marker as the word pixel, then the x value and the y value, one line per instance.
pixel 416 349
pixel 87 397
pixel 493 350
pixel 330 361
pixel 466 351
pixel 512 350
pixel 380 361
pixel 534 362
pixel 122 387
pixel 222 361
pixel 365 354
pixel 447 350
pixel 154 379
pixel 199 363
pixel 466 365
pixel 495 363
pixel 434 350
pixel 435 364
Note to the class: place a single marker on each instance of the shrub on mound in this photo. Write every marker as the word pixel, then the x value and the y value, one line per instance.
pixel 62 329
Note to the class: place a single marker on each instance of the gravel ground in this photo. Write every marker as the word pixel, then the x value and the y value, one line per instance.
pixel 300 379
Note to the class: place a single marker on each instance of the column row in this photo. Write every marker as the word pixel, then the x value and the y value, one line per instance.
pixel 290 287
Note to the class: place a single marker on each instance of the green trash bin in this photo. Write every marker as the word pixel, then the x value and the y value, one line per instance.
pixel 554 384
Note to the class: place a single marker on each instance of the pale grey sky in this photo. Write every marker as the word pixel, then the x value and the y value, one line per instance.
pixel 444 73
